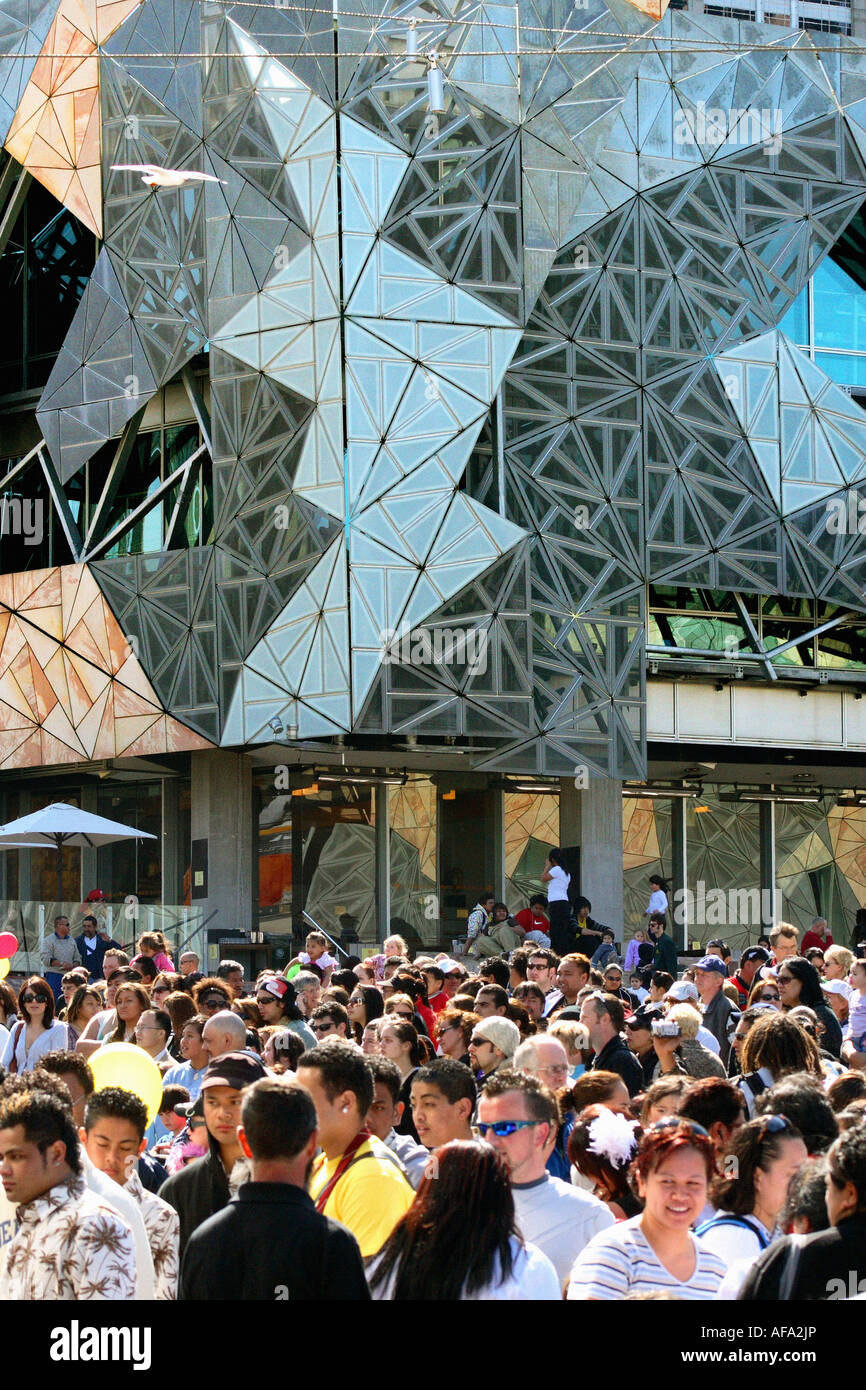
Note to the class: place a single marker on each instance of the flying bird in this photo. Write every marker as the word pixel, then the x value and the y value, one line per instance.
pixel 156 177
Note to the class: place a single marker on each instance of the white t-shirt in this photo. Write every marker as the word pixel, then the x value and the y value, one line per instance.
pixel 533 1279
pixel 560 1219
pixel 658 901
pixel 708 1040
pixel 557 887
pixel 742 1241
pixel 621 1261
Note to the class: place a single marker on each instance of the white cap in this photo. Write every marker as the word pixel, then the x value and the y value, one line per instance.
pixel 683 991
pixel 836 987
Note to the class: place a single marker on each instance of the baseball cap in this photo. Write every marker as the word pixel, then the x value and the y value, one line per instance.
pixel 235 1069
pixel 570 1012
pixel 449 966
pixel 188 1108
pixel 683 991
pixel 836 987
pixel 754 953
pixel 278 987
pixel 712 963
pixel 501 1032
pixel 644 1016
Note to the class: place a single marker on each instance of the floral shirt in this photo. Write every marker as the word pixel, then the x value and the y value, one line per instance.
pixel 69 1246
pixel 162 1224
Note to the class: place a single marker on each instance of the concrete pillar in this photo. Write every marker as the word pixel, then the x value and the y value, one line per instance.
pixel 222 825
pixel 767 831
pixel 592 819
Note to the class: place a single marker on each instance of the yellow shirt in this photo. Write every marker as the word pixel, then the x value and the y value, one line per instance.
pixel 369 1198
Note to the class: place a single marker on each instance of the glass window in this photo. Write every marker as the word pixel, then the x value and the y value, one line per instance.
pixel 43 273
pixel 412 813
pixel 796 322
pixel 531 830
pixel 131 866
pixel 846 368
pixel 840 309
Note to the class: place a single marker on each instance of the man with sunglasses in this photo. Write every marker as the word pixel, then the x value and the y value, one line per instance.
pixel 541 970
pixel 59 953
pixel 518 1116
pixel 330 1021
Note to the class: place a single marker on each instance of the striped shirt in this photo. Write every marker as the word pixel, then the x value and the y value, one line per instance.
pixel 621 1260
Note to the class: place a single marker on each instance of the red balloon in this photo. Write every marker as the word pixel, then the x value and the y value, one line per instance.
pixel 8 945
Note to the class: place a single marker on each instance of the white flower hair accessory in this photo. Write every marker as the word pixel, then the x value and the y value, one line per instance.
pixel 612 1136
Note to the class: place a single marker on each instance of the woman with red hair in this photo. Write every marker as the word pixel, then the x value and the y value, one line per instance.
pixel 656 1252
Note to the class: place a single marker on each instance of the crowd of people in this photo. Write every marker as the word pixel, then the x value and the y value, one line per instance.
pixel 335 1129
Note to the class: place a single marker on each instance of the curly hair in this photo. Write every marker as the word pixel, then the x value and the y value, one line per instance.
pixel 45 1120
pixel 114 1103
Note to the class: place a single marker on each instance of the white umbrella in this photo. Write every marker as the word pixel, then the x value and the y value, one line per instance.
pixel 59 825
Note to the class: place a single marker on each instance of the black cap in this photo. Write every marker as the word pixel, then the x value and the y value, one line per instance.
pixel 235 1069
pixel 645 1016
pixel 754 953
pixel 190 1108
pixel 570 1012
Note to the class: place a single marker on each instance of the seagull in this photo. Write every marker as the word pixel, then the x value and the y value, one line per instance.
pixel 156 177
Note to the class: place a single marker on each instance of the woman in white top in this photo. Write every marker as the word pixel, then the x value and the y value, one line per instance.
pixel 558 906
pixel 428 1256
pixel 656 1252
pixel 658 896
pixel 764 1155
pixel 37 1032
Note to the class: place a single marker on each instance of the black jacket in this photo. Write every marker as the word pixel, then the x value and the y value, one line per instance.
pixel 270 1243
pixel 196 1192
pixel 615 1056
pixel 92 960
pixel 832 1264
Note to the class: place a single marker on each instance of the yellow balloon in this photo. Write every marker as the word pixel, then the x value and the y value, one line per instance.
pixel 4 968
pixel 131 1068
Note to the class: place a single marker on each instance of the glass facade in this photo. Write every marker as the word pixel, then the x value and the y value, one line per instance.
pixel 413 834
pixel 44 271
pixel 820 864
pixel 828 320
pixel 531 829
pixel 131 866
pixel 704 621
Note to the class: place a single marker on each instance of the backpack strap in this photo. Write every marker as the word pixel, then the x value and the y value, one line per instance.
pixel 730 1219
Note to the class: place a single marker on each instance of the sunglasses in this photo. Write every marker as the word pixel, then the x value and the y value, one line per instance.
pixel 322 1027
pixel 775 1124
pixel 676 1122
pixel 216 1002
pixel 478 1042
pixel 33 999
pixel 503 1129
pixel 262 999
pixel 772 995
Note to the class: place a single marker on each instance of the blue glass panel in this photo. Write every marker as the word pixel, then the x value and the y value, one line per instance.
pixel 840 309
pixel 796 321
pixel 848 368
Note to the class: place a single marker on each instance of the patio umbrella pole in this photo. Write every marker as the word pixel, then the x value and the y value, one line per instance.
pixel 59 874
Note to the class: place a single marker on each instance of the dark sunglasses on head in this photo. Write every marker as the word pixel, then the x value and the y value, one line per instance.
pixel 775 1124
pixel 675 1122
